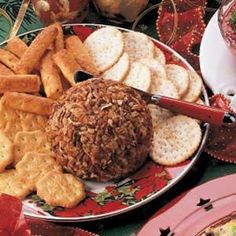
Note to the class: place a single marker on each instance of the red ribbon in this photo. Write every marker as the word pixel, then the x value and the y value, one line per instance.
pixel 12 221
pixel 221 142
pixel 181 26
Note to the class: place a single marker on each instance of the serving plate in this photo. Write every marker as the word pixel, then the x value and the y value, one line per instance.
pixel 192 212
pixel 113 198
pixel 218 63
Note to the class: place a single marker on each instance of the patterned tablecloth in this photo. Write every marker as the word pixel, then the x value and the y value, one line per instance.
pixel 205 169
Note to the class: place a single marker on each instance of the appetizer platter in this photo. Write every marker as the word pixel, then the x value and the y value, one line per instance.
pixel 78 149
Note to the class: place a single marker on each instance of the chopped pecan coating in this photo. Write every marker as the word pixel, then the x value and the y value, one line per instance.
pixel 100 130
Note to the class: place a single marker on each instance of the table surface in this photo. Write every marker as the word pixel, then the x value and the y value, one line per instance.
pixel 205 169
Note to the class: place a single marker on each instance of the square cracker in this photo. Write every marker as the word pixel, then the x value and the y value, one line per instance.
pixel 13 121
pixel 34 166
pixel 33 141
pixel 7 114
pixel 12 128
pixel 6 151
pixel 32 122
pixel 59 189
pixel 12 184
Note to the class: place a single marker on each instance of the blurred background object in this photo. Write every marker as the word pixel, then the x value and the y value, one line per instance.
pixel 50 11
pixel 120 11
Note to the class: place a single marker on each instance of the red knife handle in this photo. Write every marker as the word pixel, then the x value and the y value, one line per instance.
pixel 207 114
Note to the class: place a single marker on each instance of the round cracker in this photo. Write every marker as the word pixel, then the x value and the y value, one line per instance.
pixel 160 56
pixel 195 87
pixel 175 140
pixel 139 77
pixel 159 115
pixel 105 46
pixel 157 69
pixel 179 76
pixel 119 70
pixel 138 46
pixel 165 88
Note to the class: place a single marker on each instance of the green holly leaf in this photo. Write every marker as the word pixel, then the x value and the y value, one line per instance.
pixel 42 204
pixel 102 197
pixel 127 190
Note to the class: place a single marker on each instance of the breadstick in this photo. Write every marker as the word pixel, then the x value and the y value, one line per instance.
pixel 8 59
pixel 36 50
pixel 5 70
pixel 59 42
pixel 75 46
pixel 28 103
pixel 50 77
pixel 19 83
pixel 67 64
pixel 17 46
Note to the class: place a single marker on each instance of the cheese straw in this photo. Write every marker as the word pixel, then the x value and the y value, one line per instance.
pixel 19 83
pixel 17 47
pixel 28 103
pixel 36 50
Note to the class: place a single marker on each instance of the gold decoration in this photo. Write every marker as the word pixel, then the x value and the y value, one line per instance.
pixel 19 18
pixel 172 36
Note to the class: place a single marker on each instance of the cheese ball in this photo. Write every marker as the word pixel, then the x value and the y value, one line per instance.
pixel 100 130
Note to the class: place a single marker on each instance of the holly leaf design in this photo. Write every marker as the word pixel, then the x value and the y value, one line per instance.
pixel 102 197
pixel 42 204
pixel 127 190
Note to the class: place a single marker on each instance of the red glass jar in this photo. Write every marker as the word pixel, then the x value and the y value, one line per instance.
pixel 227 23
pixel 50 11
